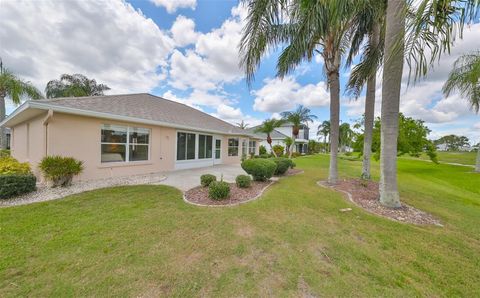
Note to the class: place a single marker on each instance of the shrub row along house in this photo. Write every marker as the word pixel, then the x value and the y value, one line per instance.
pixel 121 135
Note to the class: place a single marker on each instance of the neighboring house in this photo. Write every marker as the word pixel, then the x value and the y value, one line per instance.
pixel 279 134
pixel 120 135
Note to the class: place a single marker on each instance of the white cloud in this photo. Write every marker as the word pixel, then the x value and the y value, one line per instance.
pixel 235 115
pixel 198 98
pixel 172 5
pixel 109 41
pixel 214 60
pixel 279 95
pixel 183 31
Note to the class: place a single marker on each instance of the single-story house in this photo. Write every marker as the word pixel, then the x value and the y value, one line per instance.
pixel 280 133
pixel 121 135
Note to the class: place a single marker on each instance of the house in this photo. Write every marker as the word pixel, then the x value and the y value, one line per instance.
pixel 280 133
pixel 121 135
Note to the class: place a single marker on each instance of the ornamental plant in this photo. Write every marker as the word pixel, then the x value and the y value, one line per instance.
pixel 218 190
pixel 243 181
pixel 260 169
pixel 60 170
pixel 207 179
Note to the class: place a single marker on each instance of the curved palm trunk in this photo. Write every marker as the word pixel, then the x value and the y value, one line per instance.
pixel 3 132
pixel 292 146
pixel 477 167
pixel 269 141
pixel 369 111
pixel 392 80
pixel 334 84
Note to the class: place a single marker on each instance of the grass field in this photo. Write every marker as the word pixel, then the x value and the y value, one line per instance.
pixel 466 158
pixel 145 241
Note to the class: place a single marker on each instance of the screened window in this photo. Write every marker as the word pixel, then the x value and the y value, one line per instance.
pixel 233 147
pixel 124 144
pixel 204 146
pixel 252 146
pixel 244 148
pixel 186 146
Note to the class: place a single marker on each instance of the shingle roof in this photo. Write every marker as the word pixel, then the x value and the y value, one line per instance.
pixel 274 135
pixel 147 107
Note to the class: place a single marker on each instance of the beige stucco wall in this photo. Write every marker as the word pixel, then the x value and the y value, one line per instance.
pixel 79 137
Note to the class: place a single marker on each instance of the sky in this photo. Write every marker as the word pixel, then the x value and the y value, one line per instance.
pixel 187 51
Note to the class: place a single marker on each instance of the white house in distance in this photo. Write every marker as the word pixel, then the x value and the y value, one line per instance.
pixel 279 134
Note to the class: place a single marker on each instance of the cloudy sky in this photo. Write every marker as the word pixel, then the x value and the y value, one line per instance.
pixel 186 50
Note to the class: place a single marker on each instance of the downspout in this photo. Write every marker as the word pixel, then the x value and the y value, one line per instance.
pixel 46 121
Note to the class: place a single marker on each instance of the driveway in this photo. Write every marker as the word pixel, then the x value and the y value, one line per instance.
pixel 186 179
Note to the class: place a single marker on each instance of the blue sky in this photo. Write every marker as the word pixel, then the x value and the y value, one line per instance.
pixel 186 50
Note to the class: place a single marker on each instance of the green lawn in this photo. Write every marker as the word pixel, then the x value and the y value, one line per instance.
pixel 145 241
pixel 466 158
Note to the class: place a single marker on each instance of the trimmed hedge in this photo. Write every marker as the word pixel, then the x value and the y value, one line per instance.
pixel 243 181
pixel 11 166
pixel 218 190
pixel 283 164
pixel 207 179
pixel 60 170
pixel 260 169
pixel 16 184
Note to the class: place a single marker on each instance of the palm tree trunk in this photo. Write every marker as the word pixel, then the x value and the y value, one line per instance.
pixel 292 146
pixel 269 141
pixel 392 80
pixel 3 132
pixel 325 144
pixel 334 84
pixel 369 111
pixel 477 167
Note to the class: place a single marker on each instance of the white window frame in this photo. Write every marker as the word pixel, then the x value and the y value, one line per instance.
pixel 205 149
pixel 250 147
pixel 228 147
pixel 127 144
pixel 197 143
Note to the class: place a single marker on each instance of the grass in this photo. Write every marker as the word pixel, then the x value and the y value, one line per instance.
pixel 145 241
pixel 465 158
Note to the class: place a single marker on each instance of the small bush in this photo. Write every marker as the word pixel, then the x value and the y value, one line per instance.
pixel 218 190
pixel 243 181
pixel 262 150
pixel 261 169
pixel 16 184
pixel 283 164
pixel 295 154
pixel 60 170
pixel 10 166
pixel 4 153
pixel 278 149
pixel 207 179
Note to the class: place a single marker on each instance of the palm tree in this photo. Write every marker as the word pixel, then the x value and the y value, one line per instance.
pixel 288 143
pixel 15 88
pixel 243 125
pixel 301 116
pixel 75 85
pixel 305 28
pixel 432 25
pixel 324 130
pixel 267 127
pixel 346 135
pixel 465 78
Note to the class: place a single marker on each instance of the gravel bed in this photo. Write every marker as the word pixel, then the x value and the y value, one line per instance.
pixel 199 195
pixel 44 193
pixel 365 194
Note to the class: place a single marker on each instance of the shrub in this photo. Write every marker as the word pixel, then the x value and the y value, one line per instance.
pixel 283 164
pixel 262 150
pixel 278 149
pixel 16 184
pixel 261 169
pixel 243 181
pixel 9 166
pixel 295 154
pixel 4 153
pixel 218 190
pixel 207 179
pixel 60 170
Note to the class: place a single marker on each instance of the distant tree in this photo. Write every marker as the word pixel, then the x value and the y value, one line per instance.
pixel 313 147
pixel 14 88
pixel 346 136
pixel 324 130
pixel 453 142
pixel 75 85
pixel 267 127
pixel 243 125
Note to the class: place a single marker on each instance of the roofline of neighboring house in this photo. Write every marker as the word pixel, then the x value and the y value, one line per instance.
pixel 74 111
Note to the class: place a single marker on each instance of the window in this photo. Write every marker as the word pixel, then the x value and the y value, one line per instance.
pixel 244 148
pixel 252 147
pixel 218 148
pixel 124 144
pixel 233 147
pixel 186 146
pixel 204 146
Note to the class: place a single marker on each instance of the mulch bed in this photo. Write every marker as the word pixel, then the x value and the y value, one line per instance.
pixel 365 194
pixel 199 194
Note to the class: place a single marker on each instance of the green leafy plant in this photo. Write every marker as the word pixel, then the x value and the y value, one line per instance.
pixel 12 185
pixel 4 153
pixel 207 179
pixel 243 181
pixel 260 169
pixel 262 150
pixel 295 154
pixel 283 164
pixel 60 170
pixel 218 190
pixel 9 166
pixel 278 149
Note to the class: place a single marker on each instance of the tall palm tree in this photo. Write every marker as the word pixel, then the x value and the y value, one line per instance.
pixel 346 135
pixel 432 25
pixel 324 130
pixel 301 116
pixel 306 28
pixel 14 88
pixel 465 78
pixel 267 127
pixel 75 85
pixel 243 125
